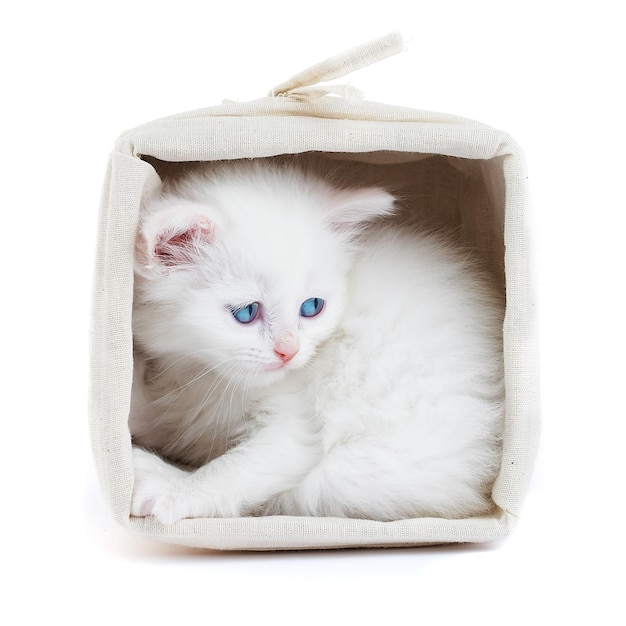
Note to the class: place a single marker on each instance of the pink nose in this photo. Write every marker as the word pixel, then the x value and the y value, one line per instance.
pixel 286 347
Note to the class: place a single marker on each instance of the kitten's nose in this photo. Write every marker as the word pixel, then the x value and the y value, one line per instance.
pixel 286 346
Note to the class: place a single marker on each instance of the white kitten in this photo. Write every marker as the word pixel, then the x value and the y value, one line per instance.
pixel 302 363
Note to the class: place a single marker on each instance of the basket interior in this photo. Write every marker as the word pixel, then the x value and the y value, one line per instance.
pixel 463 197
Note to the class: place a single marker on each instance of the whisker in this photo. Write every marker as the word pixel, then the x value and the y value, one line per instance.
pixel 222 404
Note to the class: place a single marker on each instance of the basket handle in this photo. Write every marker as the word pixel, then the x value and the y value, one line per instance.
pixel 300 85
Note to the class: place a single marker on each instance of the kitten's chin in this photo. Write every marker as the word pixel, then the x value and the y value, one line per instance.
pixel 268 377
pixel 278 370
pixel 274 373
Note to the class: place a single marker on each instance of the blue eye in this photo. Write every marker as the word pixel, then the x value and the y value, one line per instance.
pixel 246 314
pixel 311 307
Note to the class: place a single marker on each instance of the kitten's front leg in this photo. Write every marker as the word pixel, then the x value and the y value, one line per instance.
pixel 273 460
pixel 156 485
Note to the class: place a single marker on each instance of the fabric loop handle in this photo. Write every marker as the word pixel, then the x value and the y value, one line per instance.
pixel 299 86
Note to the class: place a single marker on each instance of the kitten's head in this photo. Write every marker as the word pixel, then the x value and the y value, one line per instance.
pixel 245 271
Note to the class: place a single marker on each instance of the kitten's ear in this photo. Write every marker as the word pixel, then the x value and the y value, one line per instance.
pixel 351 209
pixel 173 237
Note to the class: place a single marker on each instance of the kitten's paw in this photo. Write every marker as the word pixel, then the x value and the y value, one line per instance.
pixel 160 489
pixel 169 494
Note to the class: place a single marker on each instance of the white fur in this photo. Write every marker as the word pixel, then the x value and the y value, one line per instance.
pixel 392 406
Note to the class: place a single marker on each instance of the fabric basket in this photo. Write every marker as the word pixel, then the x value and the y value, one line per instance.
pixel 462 174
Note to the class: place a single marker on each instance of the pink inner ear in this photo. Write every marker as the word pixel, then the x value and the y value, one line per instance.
pixel 178 247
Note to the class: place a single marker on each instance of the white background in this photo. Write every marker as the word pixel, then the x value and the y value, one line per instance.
pixel 76 74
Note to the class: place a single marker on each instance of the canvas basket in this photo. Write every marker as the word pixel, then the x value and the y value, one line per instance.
pixel 460 172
